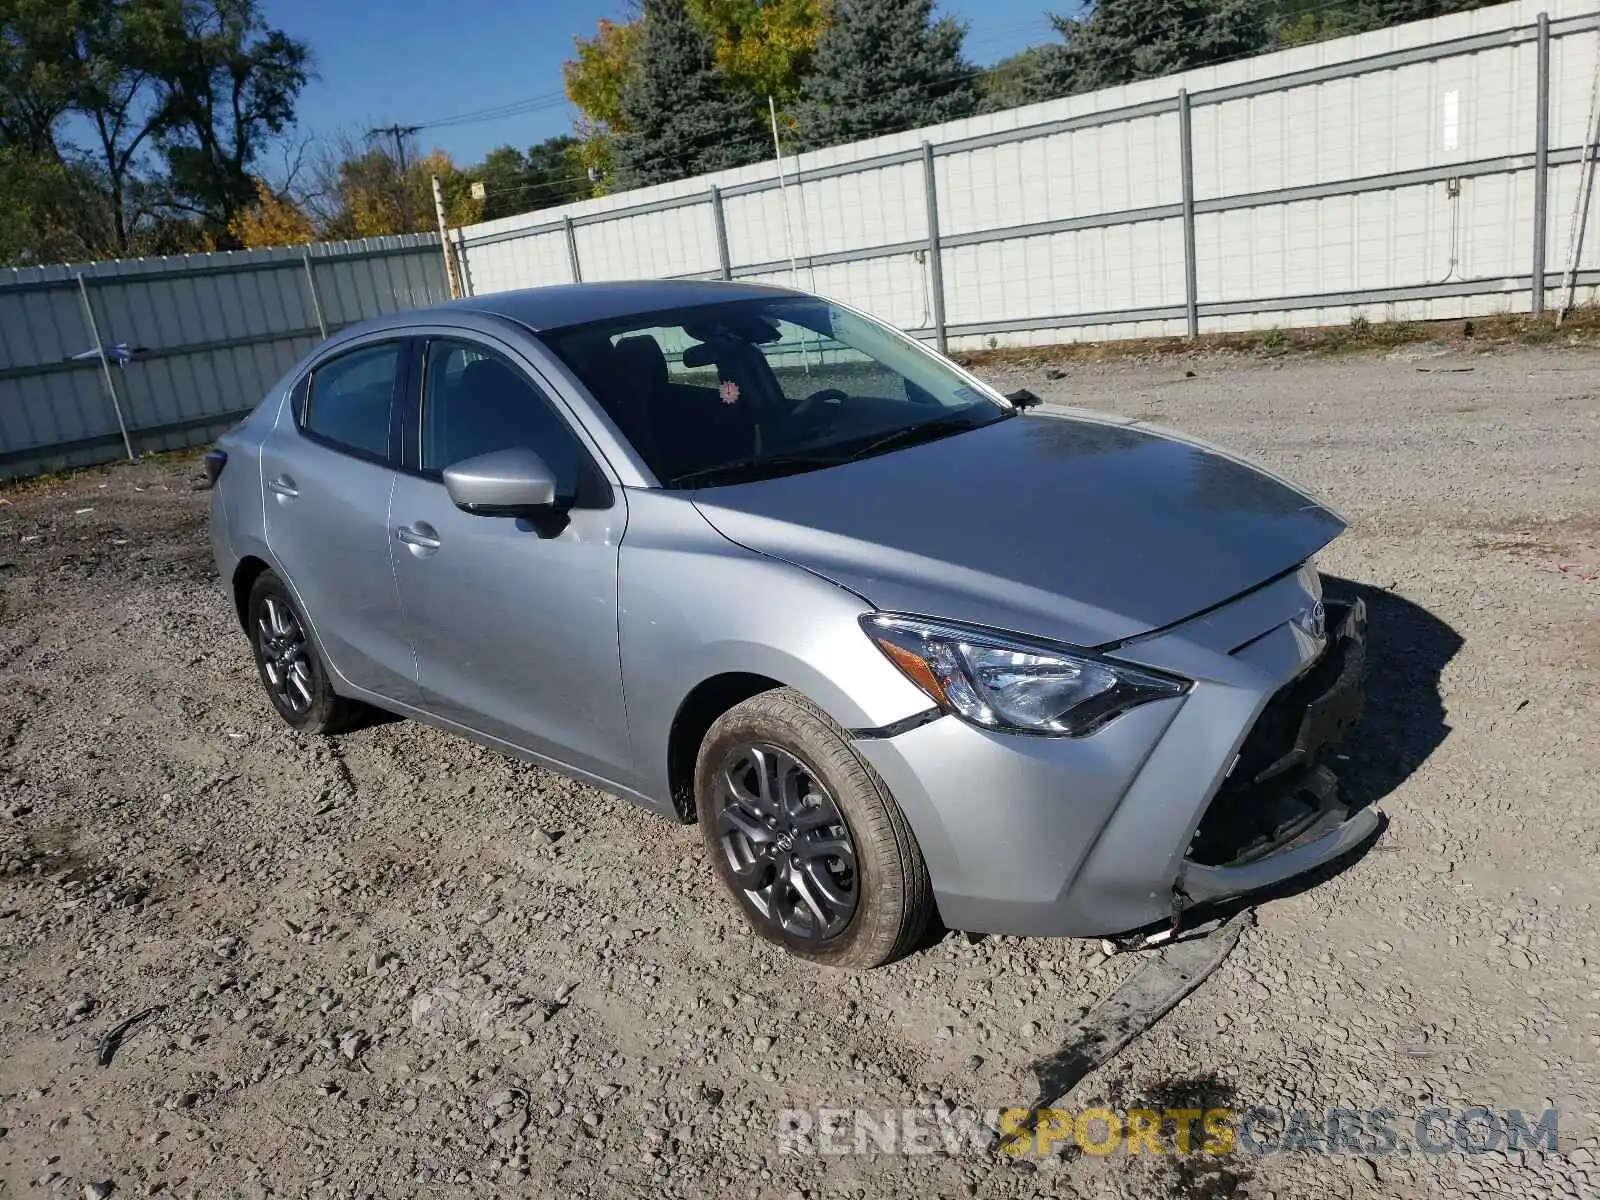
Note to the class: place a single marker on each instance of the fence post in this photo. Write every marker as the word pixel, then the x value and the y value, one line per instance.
pixel 1191 289
pixel 572 250
pixel 444 240
pixel 458 242
pixel 105 365
pixel 721 226
pixel 1541 164
pixel 311 285
pixel 930 190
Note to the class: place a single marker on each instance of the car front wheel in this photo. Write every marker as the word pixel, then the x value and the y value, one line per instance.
pixel 806 835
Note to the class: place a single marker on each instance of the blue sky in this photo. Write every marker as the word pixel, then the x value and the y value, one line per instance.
pixel 412 62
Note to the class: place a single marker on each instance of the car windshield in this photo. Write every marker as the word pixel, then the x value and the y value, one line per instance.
pixel 751 389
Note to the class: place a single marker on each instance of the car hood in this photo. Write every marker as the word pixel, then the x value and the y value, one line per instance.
pixel 1071 526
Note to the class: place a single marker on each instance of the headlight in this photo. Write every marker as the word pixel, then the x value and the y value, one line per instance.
pixel 999 682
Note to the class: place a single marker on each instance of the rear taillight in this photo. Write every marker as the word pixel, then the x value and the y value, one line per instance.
pixel 215 460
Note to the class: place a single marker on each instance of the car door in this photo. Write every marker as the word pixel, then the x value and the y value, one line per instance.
pixel 515 626
pixel 328 472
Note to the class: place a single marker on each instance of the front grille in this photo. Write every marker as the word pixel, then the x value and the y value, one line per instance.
pixel 1247 823
pixel 1272 747
pixel 1276 791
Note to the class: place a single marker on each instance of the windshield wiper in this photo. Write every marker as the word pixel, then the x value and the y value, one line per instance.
pixel 927 431
pixel 755 464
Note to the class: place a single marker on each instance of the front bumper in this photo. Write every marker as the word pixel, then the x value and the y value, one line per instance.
pixel 1278 814
pixel 1196 799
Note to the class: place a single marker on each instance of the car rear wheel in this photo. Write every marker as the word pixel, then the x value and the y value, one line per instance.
pixel 286 658
pixel 806 835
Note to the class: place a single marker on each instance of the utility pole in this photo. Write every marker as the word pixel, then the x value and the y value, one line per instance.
pixel 399 134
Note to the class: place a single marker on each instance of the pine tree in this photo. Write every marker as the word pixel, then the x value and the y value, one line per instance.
pixel 1035 74
pixel 882 66
pixel 681 115
pixel 1358 16
pixel 1122 41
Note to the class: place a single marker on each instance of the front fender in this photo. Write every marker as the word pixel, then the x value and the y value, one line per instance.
pixel 695 605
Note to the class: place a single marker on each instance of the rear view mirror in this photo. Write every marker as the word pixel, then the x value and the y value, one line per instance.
pixel 506 483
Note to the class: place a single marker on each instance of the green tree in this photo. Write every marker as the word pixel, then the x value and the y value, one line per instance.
pixel 172 101
pixel 595 81
pixel 1303 21
pixel 597 77
pixel 227 84
pixel 681 114
pixel 765 46
pixel 1027 77
pixel 110 53
pixel 1121 41
pixel 55 210
pixel 549 174
pixel 38 79
pixel 359 190
pixel 882 66
pixel 762 47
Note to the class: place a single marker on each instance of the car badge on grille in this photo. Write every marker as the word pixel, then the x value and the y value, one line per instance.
pixel 1313 621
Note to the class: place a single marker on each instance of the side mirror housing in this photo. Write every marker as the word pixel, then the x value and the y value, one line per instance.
pixel 506 483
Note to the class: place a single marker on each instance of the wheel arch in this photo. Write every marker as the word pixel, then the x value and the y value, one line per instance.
pixel 254 563
pixel 696 713
pixel 245 573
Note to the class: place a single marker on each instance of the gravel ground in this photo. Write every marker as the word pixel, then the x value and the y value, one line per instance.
pixel 395 963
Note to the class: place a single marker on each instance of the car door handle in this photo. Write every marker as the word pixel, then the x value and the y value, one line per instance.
pixel 420 535
pixel 283 485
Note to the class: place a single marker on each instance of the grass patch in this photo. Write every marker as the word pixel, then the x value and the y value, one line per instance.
pixel 1500 331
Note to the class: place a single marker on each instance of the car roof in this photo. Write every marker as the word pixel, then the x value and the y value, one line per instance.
pixel 562 305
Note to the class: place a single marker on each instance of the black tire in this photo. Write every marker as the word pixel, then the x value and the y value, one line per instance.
pixel 292 672
pixel 892 899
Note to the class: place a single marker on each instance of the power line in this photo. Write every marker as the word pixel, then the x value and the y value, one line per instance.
pixel 512 108
pixel 399 133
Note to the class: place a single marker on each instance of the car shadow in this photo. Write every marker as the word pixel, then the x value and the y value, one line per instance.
pixel 368 716
pixel 1408 649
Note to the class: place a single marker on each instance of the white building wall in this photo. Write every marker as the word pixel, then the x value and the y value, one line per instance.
pixel 1128 278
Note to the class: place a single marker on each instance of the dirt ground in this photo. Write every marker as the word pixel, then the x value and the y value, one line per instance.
pixel 395 963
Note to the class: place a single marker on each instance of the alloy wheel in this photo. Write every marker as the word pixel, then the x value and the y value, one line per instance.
pixel 285 655
pixel 786 843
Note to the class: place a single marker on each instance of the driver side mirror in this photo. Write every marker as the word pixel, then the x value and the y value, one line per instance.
pixel 505 483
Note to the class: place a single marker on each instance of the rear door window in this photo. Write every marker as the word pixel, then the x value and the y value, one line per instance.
pixel 351 399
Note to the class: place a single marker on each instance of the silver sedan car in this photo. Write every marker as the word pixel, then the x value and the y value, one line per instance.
pixel 905 648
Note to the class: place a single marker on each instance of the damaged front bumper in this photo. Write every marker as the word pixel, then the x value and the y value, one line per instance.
pixel 1279 813
pixel 1216 794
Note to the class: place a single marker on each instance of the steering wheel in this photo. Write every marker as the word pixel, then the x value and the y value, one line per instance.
pixel 820 397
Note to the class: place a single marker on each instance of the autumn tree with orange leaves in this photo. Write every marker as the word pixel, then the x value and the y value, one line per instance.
pixel 762 47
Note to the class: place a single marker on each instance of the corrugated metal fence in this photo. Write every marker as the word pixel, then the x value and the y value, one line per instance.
pixel 1428 170
pixel 211 333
